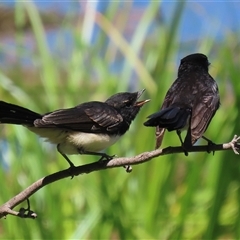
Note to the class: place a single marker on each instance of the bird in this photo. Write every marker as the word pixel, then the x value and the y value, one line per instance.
pixel 87 128
pixel 190 103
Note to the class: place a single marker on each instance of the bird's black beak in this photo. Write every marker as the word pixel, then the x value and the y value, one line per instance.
pixel 141 103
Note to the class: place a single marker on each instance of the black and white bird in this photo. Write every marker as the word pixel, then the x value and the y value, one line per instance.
pixel 85 129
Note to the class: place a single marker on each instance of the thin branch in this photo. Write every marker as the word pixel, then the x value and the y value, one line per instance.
pixel 7 207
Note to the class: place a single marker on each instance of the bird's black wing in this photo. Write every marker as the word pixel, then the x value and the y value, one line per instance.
pixel 91 117
pixel 202 115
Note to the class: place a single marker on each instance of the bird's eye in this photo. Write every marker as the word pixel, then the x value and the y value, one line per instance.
pixel 127 103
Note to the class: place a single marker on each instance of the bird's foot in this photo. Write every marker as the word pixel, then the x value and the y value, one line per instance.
pixel 71 170
pixel 184 150
pixel 107 157
pixel 209 146
pixel 103 156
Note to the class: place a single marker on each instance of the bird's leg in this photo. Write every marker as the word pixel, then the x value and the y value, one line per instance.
pixel 180 137
pixel 104 156
pixel 65 156
pixel 210 143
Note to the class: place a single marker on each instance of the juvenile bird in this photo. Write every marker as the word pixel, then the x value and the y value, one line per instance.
pixel 85 129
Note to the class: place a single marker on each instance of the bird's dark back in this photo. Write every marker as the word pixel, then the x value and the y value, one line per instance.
pixel 196 90
pixel 192 84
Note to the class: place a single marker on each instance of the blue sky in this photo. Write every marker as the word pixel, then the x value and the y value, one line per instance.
pixel 200 18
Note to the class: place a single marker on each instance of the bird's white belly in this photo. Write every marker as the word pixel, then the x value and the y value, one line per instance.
pixel 70 142
pixel 52 135
pixel 88 142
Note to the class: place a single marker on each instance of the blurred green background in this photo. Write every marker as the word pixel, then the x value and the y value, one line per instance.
pixel 170 197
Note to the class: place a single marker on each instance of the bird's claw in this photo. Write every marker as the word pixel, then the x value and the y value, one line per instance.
pixel 209 147
pixel 185 150
pixel 106 157
pixel 71 170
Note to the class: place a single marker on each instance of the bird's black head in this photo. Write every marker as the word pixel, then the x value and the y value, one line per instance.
pixel 126 104
pixel 197 60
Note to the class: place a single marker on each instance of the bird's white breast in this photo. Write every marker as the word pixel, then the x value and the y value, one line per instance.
pixel 88 142
pixel 71 141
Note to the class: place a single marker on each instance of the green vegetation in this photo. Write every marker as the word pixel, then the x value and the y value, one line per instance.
pixel 170 197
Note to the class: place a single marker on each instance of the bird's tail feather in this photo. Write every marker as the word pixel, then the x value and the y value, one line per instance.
pixel 172 118
pixel 13 114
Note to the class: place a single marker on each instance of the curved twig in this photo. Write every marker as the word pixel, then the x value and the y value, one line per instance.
pixel 7 207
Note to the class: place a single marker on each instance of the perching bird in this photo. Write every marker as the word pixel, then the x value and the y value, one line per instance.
pixel 190 103
pixel 85 129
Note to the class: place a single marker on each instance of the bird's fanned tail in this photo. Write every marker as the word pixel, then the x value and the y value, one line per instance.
pixel 13 114
pixel 171 118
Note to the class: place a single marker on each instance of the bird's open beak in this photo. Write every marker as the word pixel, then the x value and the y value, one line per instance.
pixel 141 103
